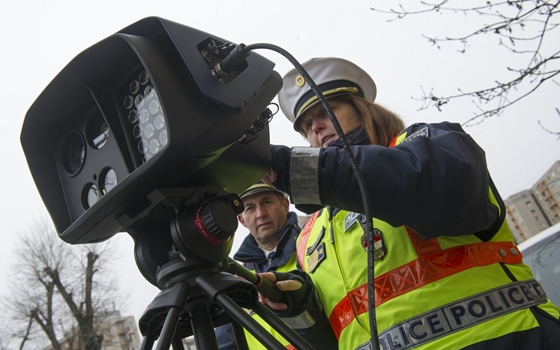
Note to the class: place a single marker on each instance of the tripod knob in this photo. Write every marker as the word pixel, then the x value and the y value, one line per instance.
pixel 219 219
pixel 206 232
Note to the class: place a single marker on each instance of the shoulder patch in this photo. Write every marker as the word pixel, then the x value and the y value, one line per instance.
pixel 417 134
pixel 316 257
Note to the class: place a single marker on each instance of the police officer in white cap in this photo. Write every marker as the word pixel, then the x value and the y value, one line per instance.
pixel 447 272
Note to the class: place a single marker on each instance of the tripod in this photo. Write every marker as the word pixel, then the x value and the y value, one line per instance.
pixel 186 256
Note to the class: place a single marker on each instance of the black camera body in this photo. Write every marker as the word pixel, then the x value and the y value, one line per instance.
pixel 142 110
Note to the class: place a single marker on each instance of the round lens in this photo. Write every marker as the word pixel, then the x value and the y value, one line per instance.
pixel 137 131
pixel 148 90
pixel 144 78
pixel 109 180
pixel 128 102
pixel 142 146
pixel 133 116
pixel 139 101
pixel 134 87
pixel 159 122
pixel 144 116
pixel 154 146
pixel 97 130
pixel 149 131
pixel 72 153
pixel 163 138
pixel 154 106
pixel 91 195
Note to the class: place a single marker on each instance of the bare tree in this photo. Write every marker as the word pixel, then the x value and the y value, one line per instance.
pixel 522 27
pixel 61 293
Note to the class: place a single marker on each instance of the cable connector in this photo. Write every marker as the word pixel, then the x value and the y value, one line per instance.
pixel 232 60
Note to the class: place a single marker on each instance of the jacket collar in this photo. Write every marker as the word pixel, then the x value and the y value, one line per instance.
pixel 249 250
pixel 356 137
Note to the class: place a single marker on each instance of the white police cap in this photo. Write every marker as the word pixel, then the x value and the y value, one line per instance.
pixel 334 77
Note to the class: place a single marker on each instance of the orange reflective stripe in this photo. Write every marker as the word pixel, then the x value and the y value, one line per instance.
pixel 393 142
pixel 422 246
pixel 424 270
pixel 304 237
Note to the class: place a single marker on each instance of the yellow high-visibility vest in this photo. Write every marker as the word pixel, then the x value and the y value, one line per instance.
pixel 252 342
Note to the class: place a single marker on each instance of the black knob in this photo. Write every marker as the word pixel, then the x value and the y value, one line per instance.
pixel 219 219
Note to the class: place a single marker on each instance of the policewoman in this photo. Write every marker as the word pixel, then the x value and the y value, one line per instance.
pixel 447 273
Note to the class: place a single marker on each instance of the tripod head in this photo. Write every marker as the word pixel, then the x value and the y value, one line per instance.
pixel 198 231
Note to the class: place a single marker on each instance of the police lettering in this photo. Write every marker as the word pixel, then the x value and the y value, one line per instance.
pixel 462 314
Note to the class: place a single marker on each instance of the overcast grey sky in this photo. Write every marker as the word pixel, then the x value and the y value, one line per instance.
pixel 39 38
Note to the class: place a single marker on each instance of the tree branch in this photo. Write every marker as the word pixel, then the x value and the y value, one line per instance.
pixel 514 22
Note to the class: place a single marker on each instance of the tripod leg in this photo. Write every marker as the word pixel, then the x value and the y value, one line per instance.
pixel 147 342
pixel 168 330
pixel 203 330
pixel 239 335
pixel 177 344
pixel 243 318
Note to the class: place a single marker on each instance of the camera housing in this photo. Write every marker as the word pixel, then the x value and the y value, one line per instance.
pixel 142 110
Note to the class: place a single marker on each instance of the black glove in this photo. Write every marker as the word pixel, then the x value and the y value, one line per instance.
pixel 320 334
pixel 297 299
pixel 281 159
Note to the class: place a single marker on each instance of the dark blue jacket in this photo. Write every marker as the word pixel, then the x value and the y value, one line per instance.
pixel 253 258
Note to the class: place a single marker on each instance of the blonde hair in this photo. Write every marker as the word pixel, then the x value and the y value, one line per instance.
pixel 380 124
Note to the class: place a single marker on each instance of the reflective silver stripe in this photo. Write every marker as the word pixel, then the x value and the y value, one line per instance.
pixel 301 321
pixel 420 133
pixel 365 346
pixel 304 181
pixel 462 314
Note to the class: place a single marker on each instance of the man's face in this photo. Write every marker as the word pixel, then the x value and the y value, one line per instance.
pixel 265 215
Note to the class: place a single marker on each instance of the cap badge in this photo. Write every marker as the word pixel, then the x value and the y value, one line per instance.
pixel 300 80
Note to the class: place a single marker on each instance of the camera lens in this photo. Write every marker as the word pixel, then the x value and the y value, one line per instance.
pixel 97 130
pixel 90 195
pixel 109 180
pixel 72 153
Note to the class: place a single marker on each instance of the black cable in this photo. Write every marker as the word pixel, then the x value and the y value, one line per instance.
pixel 240 54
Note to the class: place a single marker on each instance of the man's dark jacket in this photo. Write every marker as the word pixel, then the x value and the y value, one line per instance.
pixel 253 258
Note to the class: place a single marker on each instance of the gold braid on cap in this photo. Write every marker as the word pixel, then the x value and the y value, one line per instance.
pixel 351 90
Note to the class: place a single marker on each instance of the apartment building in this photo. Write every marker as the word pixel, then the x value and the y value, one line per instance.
pixel 119 333
pixel 533 210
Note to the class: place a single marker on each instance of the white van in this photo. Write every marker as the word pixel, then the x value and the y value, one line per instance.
pixel 542 253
